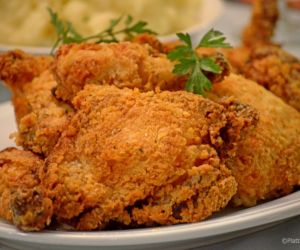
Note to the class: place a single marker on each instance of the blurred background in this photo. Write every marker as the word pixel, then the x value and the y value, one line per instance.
pixel 26 24
pixel 32 22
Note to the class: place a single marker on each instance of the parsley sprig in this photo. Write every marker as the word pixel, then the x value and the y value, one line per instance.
pixel 66 33
pixel 188 61
pixel 194 65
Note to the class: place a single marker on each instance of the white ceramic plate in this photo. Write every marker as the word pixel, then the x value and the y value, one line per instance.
pixel 222 226
pixel 209 12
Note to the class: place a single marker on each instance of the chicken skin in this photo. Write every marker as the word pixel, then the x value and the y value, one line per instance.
pixel 262 61
pixel 262 24
pixel 40 117
pixel 124 64
pixel 40 129
pixel 17 69
pixel 142 158
pixel 267 162
pixel 132 158
pixel 265 62
pixel 274 69
pixel 22 198
pixel 111 139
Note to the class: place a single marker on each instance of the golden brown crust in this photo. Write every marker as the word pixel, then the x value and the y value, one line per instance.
pixel 18 68
pixel 204 191
pixel 262 24
pixel 139 158
pixel 40 117
pixel 150 40
pixel 124 64
pixel 40 129
pixel 263 61
pixel 270 66
pixel 277 71
pixel 22 198
pixel 267 162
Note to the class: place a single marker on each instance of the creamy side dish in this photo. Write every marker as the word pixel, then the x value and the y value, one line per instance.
pixel 28 22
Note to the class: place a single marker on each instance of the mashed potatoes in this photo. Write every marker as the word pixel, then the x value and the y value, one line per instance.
pixel 28 23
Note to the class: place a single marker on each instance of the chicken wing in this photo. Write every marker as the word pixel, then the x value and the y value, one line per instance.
pixel 262 25
pixel 262 61
pixel 267 162
pixel 273 68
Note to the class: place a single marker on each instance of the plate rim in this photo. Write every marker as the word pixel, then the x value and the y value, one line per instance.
pixel 263 214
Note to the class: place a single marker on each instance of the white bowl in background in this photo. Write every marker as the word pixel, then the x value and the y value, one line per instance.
pixel 209 13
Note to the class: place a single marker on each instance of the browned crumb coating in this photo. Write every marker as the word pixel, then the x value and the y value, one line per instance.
pixel 22 198
pixel 40 117
pixel 262 61
pixel 18 68
pixel 124 64
pixel 267 160
pixel 270 66
pixel 140 158
pixel 276 70
pixel 40 129
pixel 263 22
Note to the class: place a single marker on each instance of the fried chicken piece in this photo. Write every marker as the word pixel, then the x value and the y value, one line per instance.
pixel 16 70
pixel 123 64
pixel 276 70
pixel 267 162
pixel 40 129
pixel 142 158
pixel 40 117
pixel 150 40
pixel 262 25
pixel 22 198
pixel 155 43
pixel 263 61
pixel 270 66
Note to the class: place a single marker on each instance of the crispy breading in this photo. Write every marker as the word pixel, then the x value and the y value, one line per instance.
pixel 123 64
pixel 262 25
pixel 273 68
pixel 141 158
pixel 18 68
pixel 267 162
pixel 22 198
pixel 265 62
pixel 262 61
pixel 40 129
pixel 40 117
pixel 269 66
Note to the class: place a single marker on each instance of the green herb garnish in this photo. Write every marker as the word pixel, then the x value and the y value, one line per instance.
pixel 194 65
pixel 189 62
pixel 67 34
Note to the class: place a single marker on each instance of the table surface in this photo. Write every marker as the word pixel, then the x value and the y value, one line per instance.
pixel 237 15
